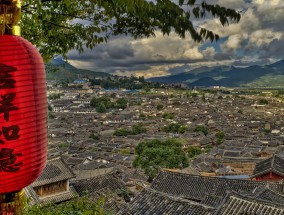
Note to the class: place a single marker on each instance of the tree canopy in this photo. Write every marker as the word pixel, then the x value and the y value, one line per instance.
pixel 80 205
pixel 154 154
pixel 136 129
pixel 57 26
pixel 192 151
pixel 175 128
pixel 201 128
pixel 102 104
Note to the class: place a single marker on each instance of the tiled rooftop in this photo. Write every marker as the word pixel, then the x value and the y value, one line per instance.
pixel 54 171
pixel 274 164
pixel 235 204
pixel 153 202
pixel 94 184
pixel 198 187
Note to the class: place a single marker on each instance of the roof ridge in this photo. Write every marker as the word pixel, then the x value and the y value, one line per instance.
pixel 111 173
pixel 244 198
pixel 272 162
pixel 255 200
pixel 210 177
pixel 177 198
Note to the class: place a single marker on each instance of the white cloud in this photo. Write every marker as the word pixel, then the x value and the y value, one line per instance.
pixel 249 22
pixel 209 52
pixel 260 34
pixel 170 48
pixel 266 3
pixel 264 37
pixel 234 42
pixel 237 4
pixel 154 71
pixel 193 54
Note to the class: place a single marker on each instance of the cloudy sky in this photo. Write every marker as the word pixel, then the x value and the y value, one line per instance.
pixel 257 39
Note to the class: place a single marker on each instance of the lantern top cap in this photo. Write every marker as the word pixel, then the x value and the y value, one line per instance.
pixel 10 11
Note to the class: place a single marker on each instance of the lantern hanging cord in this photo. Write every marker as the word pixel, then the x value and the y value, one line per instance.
pixel 10 12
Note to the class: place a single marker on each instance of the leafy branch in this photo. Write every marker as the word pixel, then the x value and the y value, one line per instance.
pixel 64 25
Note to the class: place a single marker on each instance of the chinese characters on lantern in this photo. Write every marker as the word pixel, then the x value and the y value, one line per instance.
pixel 8 159
pixel 6 79
pixel 6 105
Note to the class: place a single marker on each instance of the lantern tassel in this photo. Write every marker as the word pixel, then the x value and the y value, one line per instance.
pixel 10 13
pixel 12 203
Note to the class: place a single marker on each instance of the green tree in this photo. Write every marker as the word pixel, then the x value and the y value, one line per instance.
pixel 147 89
pixel 141 79
pixel 125 151
pixel 49 107
pixel 182 129
pixel 219 141
pixel 54 96
pixel 207 148
pixel 121 103
pixel 160 106
pixel 121 132
pixel 153 154
pixel 193 151
pixel 51 115
pixel 240 111
pixel 78 206
pixel 263 102
pixel 101 108
pixel 138 129
pixel 94 136
pixel 175 128
pixel 168 115
pixel 201 128
pixel 220 135
pixel 57 26
pixel 97 101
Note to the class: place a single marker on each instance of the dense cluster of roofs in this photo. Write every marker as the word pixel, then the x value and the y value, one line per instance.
pixel 80 165
pixel 170 193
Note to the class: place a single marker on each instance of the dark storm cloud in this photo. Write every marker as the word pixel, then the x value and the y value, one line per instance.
pixel 115 51
pixel 273 50
pixel 119 55
pixel 271 17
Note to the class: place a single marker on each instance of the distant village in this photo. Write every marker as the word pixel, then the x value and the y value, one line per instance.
pixel 233 139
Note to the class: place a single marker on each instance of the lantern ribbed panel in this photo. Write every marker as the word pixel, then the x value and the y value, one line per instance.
pixel 29 114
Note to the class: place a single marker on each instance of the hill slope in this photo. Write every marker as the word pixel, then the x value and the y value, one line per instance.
pixel 58 69
pixel 253 76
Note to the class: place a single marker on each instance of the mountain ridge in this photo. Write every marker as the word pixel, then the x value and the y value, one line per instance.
pixel 271 75
pixel 61 70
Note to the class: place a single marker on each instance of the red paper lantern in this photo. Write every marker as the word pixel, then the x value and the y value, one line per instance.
pixel 23 131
